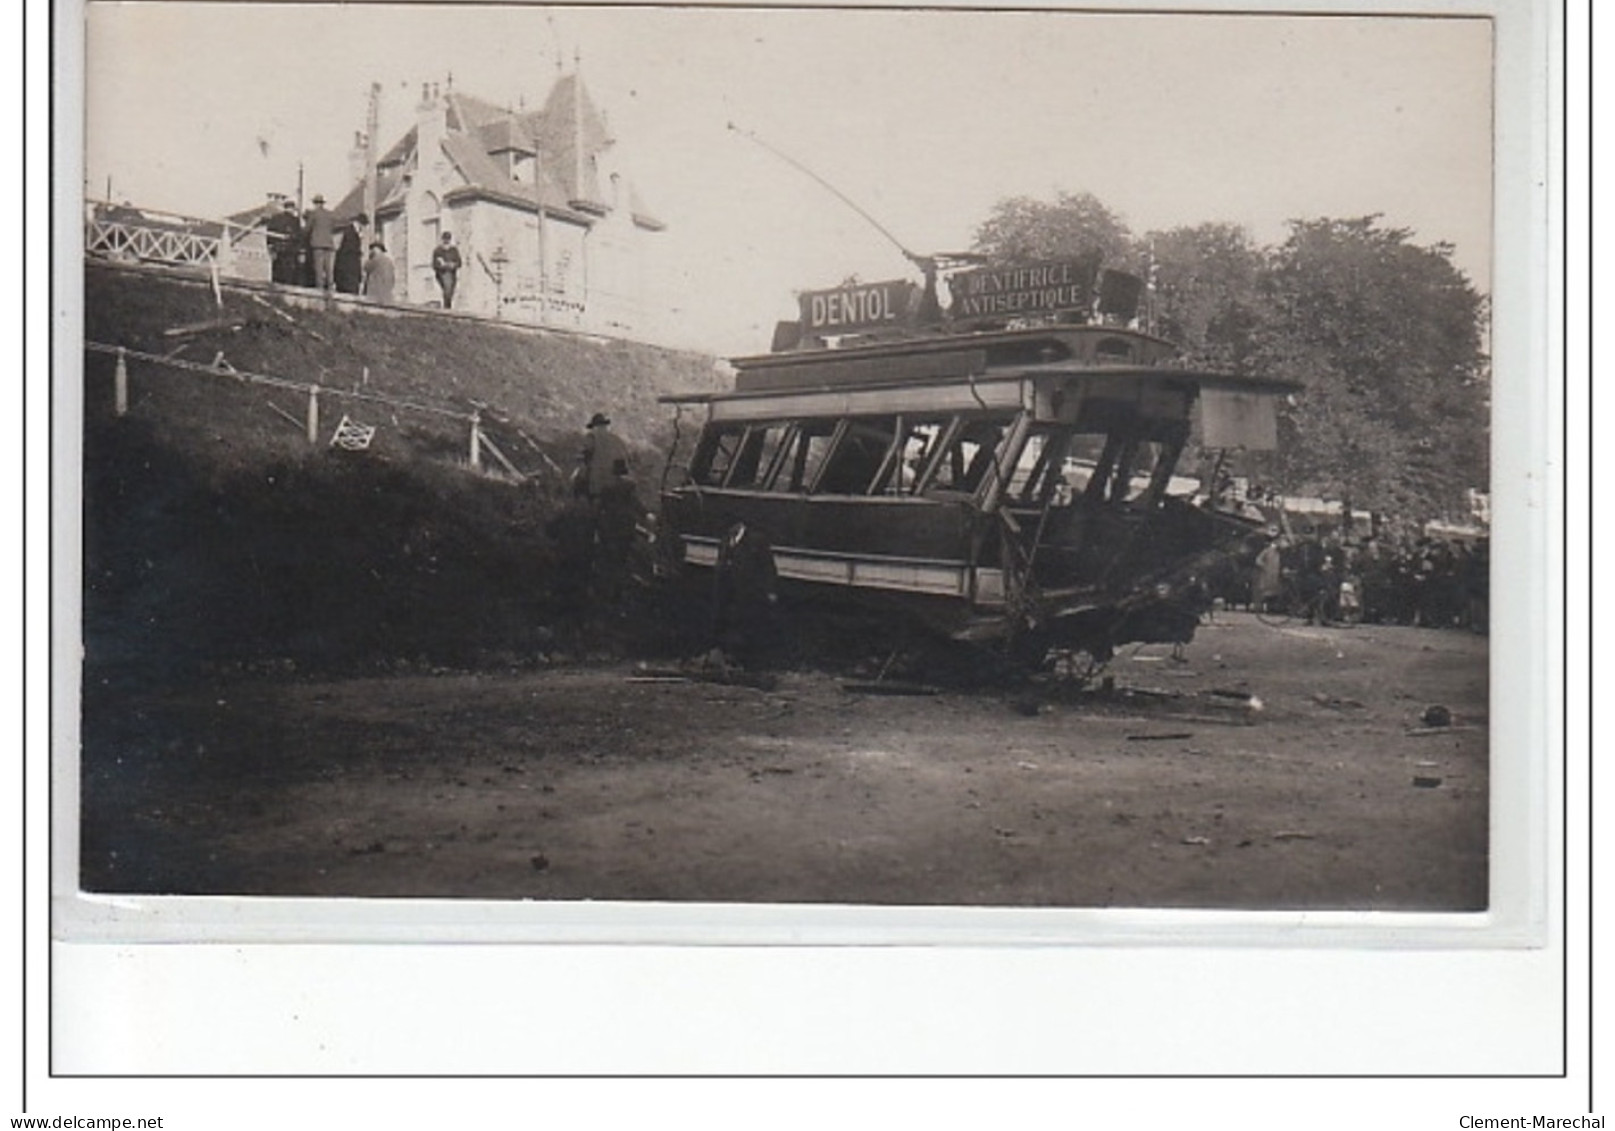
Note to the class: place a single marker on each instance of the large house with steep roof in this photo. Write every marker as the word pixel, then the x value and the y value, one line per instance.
pixel 549 228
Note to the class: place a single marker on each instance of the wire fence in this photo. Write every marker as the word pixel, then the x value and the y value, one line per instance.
pixel 219 368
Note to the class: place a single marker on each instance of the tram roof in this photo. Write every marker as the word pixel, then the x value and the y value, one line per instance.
pixel 811 383
pixel 944 360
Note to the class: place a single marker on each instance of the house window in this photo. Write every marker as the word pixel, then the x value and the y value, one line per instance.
pixel 430 217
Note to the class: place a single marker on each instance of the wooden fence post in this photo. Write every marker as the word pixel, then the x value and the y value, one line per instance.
pixel 476 441
pixel 313 414
pixel 120 386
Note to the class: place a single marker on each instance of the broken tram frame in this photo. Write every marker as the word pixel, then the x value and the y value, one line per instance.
pixel 1009 486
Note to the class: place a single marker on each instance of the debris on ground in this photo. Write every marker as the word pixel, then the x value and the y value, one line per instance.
pixel 190 328
pixel 1334 702
pixel 711 668
pixel 890 687
pixel 275 310
pixel 1436 715
pixel 1423 782
pixel 1216 706
pixel 300 425
pixel 1293 834
pixel 1197 840
pixel 1243 699
pixel 1170 735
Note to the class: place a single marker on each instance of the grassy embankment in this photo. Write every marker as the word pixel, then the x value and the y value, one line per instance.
pixel 216 534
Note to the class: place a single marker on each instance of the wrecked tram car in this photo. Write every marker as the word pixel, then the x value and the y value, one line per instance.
pixel 1007 486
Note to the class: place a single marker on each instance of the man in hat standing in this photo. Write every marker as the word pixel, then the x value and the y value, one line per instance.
pixel 605 457
pixel 322 242
pixel 285 241
pixel 349 261
pixel 446 266
pixel 604 477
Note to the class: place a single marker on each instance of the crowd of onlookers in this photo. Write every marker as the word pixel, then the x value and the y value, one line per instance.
pixel 315 250
pixel 1322 577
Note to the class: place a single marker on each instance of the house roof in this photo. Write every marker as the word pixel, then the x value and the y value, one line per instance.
pixel 566 138
pixel 506 135
pixel 389 194
pixel 573 129
pixel 252 217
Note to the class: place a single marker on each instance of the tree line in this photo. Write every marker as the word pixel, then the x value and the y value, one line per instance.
pixel 1386 336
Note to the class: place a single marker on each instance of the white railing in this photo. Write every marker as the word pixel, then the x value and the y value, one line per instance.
pixel 144 235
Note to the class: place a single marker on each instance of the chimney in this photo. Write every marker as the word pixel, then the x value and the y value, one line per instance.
pixel 358 158
pixel 430 127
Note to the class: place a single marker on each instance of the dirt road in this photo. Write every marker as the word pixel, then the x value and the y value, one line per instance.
pixel 578 781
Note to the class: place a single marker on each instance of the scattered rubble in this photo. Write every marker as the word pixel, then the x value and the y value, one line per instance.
pixel 1436 715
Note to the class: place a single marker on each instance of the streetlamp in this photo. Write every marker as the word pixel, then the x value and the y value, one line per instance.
pixel 500 259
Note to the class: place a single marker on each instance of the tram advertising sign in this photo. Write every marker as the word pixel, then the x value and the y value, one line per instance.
pixel 1032 288
pixel 858 308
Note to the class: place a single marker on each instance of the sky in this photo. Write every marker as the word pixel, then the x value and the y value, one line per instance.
pixel 924 118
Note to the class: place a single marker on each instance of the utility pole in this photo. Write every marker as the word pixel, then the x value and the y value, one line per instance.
pixel 372 129
pixel 299 190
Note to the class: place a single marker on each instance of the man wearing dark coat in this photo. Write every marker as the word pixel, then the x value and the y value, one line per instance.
pixel 349 268
pixel 305 252
pixel 446 266
pixel 285 242
pixel 604 477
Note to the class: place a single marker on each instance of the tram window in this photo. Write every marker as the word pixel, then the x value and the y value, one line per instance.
pixel 808 446
pixel 759 452
pixel 965 463
pixel 1026 473
pixel 1136 460
pixel 1044 471
pixel 859 456
pixel 713 455
pixel 1132 468
pixel 918 442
